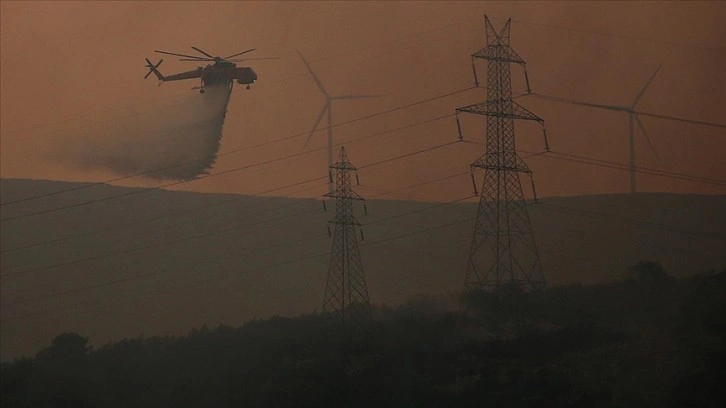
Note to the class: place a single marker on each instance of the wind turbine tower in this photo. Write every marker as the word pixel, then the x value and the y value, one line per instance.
pixel 328 108
pixel 632 120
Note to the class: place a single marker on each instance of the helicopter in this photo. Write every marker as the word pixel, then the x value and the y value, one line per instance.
pixel 221 71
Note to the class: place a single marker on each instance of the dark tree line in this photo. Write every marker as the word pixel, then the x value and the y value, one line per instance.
pixel 648 340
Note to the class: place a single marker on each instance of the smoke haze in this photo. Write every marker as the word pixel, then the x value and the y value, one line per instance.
pixel 178 140
pixel 598 52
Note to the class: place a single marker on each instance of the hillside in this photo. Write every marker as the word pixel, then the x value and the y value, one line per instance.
pixel 160 262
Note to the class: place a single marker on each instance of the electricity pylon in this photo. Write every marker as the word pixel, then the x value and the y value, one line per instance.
pixel 346 292
pixel 328 108
pixel 503 253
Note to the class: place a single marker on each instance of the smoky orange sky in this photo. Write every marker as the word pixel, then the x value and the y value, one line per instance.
pixel 67 66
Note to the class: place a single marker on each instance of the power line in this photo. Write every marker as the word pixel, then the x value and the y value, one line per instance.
pixel 621 37
pixel 553 154
pixel 617 108
pixel 636 222
pixel 546 206
pixel 296 135
pixel 156 244
pixel 139 191
pixel 383 192
pixel 186 92
pixel 644 170
pixel 122 280
pixel 140 248
pixel 163 215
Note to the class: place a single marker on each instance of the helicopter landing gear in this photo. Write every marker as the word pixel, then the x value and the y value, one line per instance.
pixel 247 87
pixel 201 91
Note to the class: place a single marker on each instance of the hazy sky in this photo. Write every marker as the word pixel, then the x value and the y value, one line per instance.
pixel 70 67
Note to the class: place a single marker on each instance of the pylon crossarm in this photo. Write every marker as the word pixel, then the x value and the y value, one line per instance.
pixel 499 167
pixel 350 195
pixel 348 221
pixel 504 108
pixel 498 52
pixel 346 166
pixel 489 162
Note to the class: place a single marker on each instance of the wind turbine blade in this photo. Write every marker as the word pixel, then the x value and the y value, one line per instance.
pixel 650 143
pixel 581 103
pixel 315 77
pixel 315 126
pixel 357 96
pixel 240 53
pixel 684 120
pixel 210 56
pixel 642 91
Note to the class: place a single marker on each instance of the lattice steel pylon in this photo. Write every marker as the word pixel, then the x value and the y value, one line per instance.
pixel 503 252
pixel 346 291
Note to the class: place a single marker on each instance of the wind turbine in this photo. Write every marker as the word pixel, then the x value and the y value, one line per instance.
pixel 632 117
pixel 327 108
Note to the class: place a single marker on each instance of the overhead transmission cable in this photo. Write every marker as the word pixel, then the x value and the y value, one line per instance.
pixel 553 154
pixel 126 279
pixel 293 136
pixel 156 244
pixel 267 191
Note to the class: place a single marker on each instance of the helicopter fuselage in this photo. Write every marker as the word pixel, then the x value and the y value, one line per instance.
pixel 222 73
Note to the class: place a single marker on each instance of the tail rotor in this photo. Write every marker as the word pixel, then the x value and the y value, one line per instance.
pixel 153 69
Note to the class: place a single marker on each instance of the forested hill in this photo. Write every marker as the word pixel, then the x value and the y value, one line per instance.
pixel 646 340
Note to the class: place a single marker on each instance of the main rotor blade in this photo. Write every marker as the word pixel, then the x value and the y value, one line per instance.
pixel 315 77
pixel 250 59
pixel 175 54
pixel 210 56
pixel 240 53
pixel 642 91
pixel 650 143
pixel 315 126
pixel 195 59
